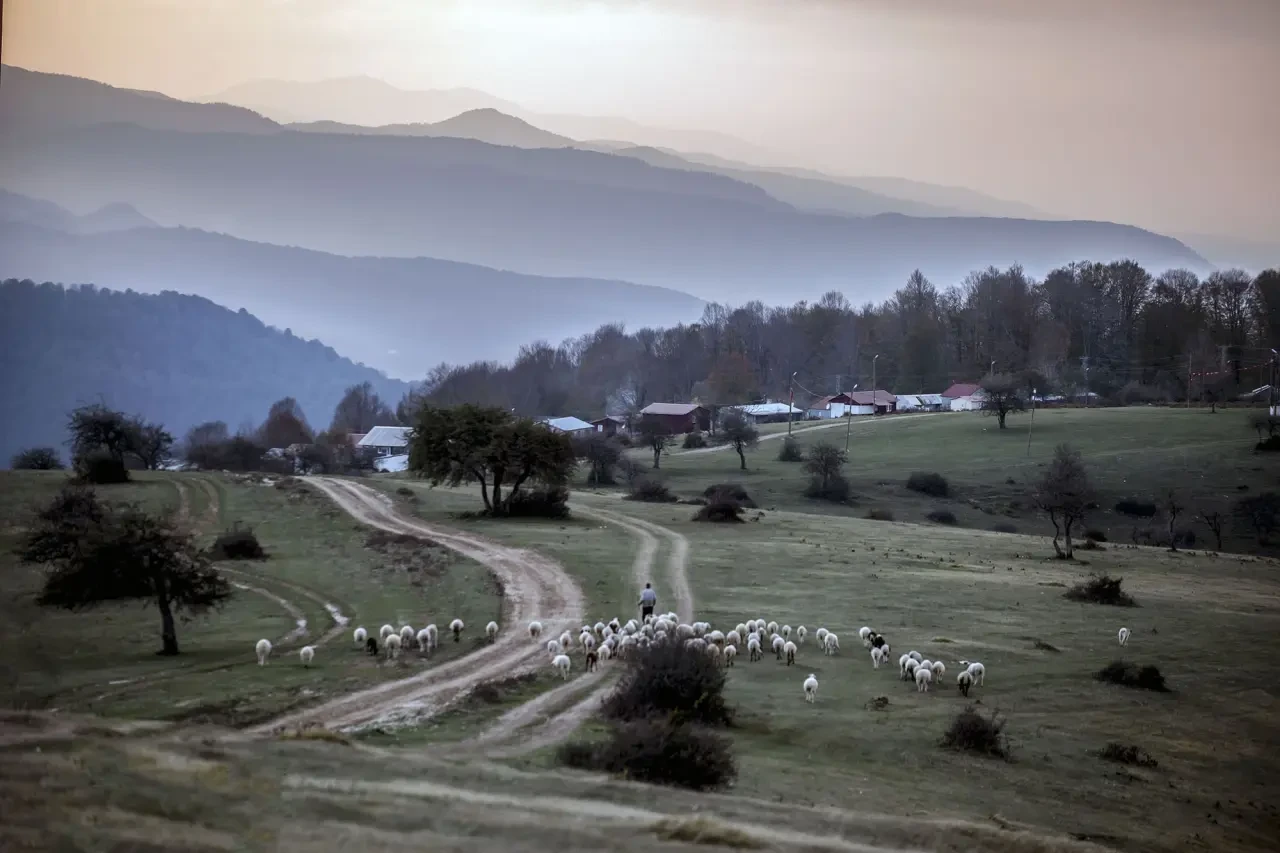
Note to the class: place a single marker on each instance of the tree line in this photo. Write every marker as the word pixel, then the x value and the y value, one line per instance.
pixel 1112 328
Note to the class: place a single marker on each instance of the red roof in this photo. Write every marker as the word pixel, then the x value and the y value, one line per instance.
pixel 872 398
pixel 962 389
pixel 825 402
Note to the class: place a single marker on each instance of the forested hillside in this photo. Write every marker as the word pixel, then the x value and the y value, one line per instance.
pixel 180 360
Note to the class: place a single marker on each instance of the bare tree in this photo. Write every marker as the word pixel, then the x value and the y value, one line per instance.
pixel 152 444
pixel 739 432
pixel 654 435
pixel 1064 492
pixel 1172 509
pixel 1000 395
pixel 360 410
pixel 1215 521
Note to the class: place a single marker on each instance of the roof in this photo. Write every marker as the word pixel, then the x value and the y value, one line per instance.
pixel 617 419
pixel 567 424
pixel 825 402
pixel 386 436
pixel 869 398
pixel 929 399
pixel 909 401
pixel 670 409
pixel 762 409
pixel 392 463
pixel 962 389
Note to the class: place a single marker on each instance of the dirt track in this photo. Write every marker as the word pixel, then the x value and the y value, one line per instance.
pixel 536 588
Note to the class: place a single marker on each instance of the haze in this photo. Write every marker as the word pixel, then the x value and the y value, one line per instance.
pixel 1161 114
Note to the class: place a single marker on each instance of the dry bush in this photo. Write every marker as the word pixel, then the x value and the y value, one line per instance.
pixel 790 451
pixel 720 511
pixel 693 441
pixel 880 515
pixel 1095 535
pixel 670 681
pixel 650 491
pixel 1127 754
pixel 929 483
pixel 658 752
pixel 704 830
pixel 1131 675
pixel 1136 508
pixel 238 543
pixel 551 502
pixel 972 732
pixel 942 516
pixel 1101 589
pixel 732 491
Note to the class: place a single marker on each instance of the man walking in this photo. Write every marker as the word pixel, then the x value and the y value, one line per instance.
pixel 648 598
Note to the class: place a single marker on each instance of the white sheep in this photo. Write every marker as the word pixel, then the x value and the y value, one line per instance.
pixel 915 656
pixel 801 633
pixel 562 663
pixel 822 637
pixel 587 641
pixel 923 676
pixel 751 626
pixel 926 664
pixel 741 628
pixel 979 672
pixel 598 628
pixel 790 651
pixel 406 635
pixel 811 688
pixel 713 652
pixel 535 629
pixel 1124 636
pixel 753 649
pixel 785 631
pixel 456 627
pixel 433 636
pixel 864 632
pixel 730 652
pixel 361 636
pixel 491 631
pixel 733 638
pixel 939 669
pixel 393 645
pixel 307 654
pixel 716 637
pixel 877 658
pixel 777 644
pixel 831 644
pixel 771 628
pixel 553 648
pixel 696 643
pixel 424 640
pixel 964 681
pixel 909 671
pixel 566 640
pixel 263 648
pixel 384 632
pixel 605 652
pixel 684 632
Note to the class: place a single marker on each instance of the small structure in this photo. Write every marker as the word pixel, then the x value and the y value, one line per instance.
pixel 391 464
pixel 570 425
pixel 964 397
pixel 834 406
pixel 767 413
pixel 678 418
pixel 872 402
pixel 921 403
pixel 387 440
pixel 610 425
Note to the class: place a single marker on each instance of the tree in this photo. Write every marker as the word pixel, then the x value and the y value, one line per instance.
pixel 1215 521
pixel 601 455
pixel 824 464
pixel 97 554
pixel 203 446
pixel 1000 393
pixel 36 459
pixel 286 425
pixel 152 444
pixel 738 431
pixel 653 434
pixel 1172 509
pixel 1261 513
pixel 98 430
pixel 360 410
pixel 1064 492
pixel 488 445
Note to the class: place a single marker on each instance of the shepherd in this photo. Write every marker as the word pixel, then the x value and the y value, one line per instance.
pixel 648 599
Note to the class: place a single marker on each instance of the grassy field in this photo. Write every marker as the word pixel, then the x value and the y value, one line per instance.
pixel 104 660
pixel 1130 453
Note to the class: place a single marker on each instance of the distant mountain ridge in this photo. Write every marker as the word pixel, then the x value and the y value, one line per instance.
pixel 177 359
pixel 111 217
pixel 486 125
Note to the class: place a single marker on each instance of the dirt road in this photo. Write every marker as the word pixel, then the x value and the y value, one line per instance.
pixel 536 588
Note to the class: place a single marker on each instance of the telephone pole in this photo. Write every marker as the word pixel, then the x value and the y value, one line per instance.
pixel 1188 380
pixel 791 406
pixel 873 385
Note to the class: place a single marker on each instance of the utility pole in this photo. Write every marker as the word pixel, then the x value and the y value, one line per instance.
pixel 1188 380
pixel 848 424
pixel 791 406
pixel 1033 420
pixel 1271 386
pixel 1084 362
pixel 873 385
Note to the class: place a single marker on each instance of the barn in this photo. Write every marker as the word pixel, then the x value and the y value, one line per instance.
pixel 677 418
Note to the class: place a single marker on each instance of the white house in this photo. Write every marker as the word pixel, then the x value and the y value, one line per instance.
pixel 387 440
pixel 834 406
pixel 763 413
pixel 872 402
pixel 964 397
pixel 569 425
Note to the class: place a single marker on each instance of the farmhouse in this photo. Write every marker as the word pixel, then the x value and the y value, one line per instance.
pixel 570 426
pixel 678 418
pixel 964 397
pixel 921 403
pixel 610 425
pixel 387 440
pixel 872 402
pixel 834 406
pixel 767 413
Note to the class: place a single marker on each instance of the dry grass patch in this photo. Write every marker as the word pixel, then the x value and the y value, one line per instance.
pixel 704 830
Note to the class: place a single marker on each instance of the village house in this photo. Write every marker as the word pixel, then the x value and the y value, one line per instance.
pixel 610 425
pixel 921 403
pixel 678 418
pixel 767 413
pixel 872 403
pixel 386 440
pixel 834 406
pixel 569 426
pixel 964 397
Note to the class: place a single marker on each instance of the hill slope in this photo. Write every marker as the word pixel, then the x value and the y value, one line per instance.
pixel 178 359
pixel 486 125
pixel 402 315
pixel 34 211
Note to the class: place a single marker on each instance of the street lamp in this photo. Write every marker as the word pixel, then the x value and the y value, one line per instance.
pixel 873 384
pixel 1271 386
pixel 1033 420
pixel 848 423
pixel 791 406
pixel 992 371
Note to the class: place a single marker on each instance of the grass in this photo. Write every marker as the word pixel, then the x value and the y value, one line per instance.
pixel 104 660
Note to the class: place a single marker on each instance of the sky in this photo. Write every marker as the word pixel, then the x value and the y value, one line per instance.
pixel 1160 113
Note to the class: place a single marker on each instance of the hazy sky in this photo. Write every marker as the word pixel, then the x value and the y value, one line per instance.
pixel 1163 113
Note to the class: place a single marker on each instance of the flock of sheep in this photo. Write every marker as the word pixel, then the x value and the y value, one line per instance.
pixel 389 641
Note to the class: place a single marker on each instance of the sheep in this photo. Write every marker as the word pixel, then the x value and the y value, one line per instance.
pixel 553 648
pixel 733 638
pixel 915 656
pixel 263 648
pixel 361 635
pixel 772 627
pixel 926 664
pixel 433 636
pixel 615 625
pixel 684 632
pixel 598 628
pixel 646 630
pixel 877 657
pixel 716 637
pixel 811 688
pixel 751 626
pixel 777 644
pixel 491 631
pixel 605 652
pixel 730 652
pixel 593 658
pixel 964 681
pixel 869 640
pixel 456 627
pixel 822 637
pixel 801 633
pixel 879 642
pixel 785 631
pixel 831 644
pixel 587 641
pixel 741 628
pixel 1124 636
pixel 753 650
pixel 566 640
pixel 902 664
pixel 864 632
pixel 384 631
pixel 393 645
pixel 696 643
pixel 910 670
pixel 535 629
pixel 713 652
pixel 631 627
pixel 923 676
pixel 790 650
pixel 978 671
pixel 562 663
pixel 424 640
pixel 406 635
pixel 939 669
pixel 371 646
pixel 307 654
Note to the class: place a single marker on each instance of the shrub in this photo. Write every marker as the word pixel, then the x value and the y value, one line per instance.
pixel 942 516
pixel 880 515
pixel 732 491
pixel 1135 508
pixel 629 469
pixel 1185 538
pixel 650 491
pixel 790 451
pixel 694 440
pixel 836 488
pixel 671 681
pixel 932 484
pixel 972 732
pixel 404 492
pixel 550 502
pixel 706 831
pixel 1127 754
pixel 1095 535
pixel 100 469
pixel 1004 528
pixel 238 543
pixel 623 438
pixel 1131 675
pixel 1101 589
pixel 658 752
pixel 721 510
pixel 1269 444
pixel 36 459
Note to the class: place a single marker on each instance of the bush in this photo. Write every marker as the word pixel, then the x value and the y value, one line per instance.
pixel 942 516
pixel 650 491
pixel 731 491
pixel 694 440
pixel 972 732
pixel 721 510
pixel 1127 754
pixel 932 484
pixel 36 459
pixel 1269 444
pixel 623 438
pixel 404 492
pixel 790 451
pixel 551 502
pixel 1004 528
pixel 1185 538
pixel 660 753
pixel 880 515
pixel 1131 675
pixel 835 489
pixel 1095 535
pixel 1135 508
pixel 629 469
pixel 671 681
pixel 100 469
pixel 238 543
pixel 1101 589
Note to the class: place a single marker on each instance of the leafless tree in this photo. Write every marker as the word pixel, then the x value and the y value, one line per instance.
pixel 1215 521
pixel 1000 392
pixel 739 432
pixel 1065 493
pixel 1172 509
pixel 654 435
